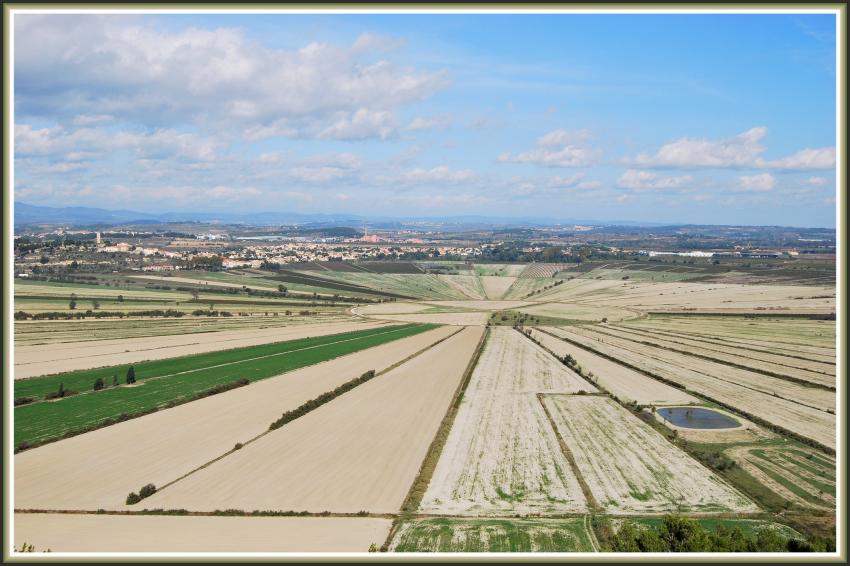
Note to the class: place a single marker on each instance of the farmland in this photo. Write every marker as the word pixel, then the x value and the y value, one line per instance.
pixel 510 407
pixel 631 468
pixel 493 535
pixel 502 457
pixel 329 456
pixel 172 381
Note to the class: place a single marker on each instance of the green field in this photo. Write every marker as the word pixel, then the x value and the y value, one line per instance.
pixel 174 380
pixel 493 535
pixel 749 527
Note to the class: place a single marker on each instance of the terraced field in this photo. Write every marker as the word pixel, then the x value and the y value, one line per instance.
pixel 502 455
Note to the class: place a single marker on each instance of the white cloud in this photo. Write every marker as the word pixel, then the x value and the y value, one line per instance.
pixel 361 124
pixel 422 123
pixel 437 175
pixel 741 151
pixel 648 181
pixel 821 158
pixel 89 120
pixel 161 143
pixel 817 181
pixel 85 65
pixel 757 183
pixel 558 148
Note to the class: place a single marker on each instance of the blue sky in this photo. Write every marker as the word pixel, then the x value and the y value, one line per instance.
pixel 712 119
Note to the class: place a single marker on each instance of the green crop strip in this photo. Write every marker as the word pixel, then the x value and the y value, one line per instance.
pixel 168 382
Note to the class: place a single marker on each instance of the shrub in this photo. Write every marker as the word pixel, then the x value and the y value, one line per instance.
pixel 133 498
pixel 131 375
pixel 238 446
pixel 23 400
pixel 98 384
pixel 147 491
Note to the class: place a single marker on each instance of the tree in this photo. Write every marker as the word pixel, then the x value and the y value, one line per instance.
pixel 98 384
pixel 120 298
pixel 194 295
pixel 147 491
pixel 61 390
pixel 44 259
pixel 72 305
pixel 281 289
pixel 114 380
pixel 131 375
pixel 95 304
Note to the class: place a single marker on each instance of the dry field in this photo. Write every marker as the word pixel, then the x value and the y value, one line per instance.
pixel 577 311
pixel 495 287
pixel 479 305
pixel 534 270
pixel 814 397
pixel 98 469
pixel 523 287
pixel 468 285
pixel 502 456
pixel 624 383
pixel 45 359
pixel 139 533
pixel 499 269
pixel 361 451
pixel 629 467
pixel 813 339
pixel 812 423
pixel 811 372
pixel 709 297
pixel 390 308
pixel 450 318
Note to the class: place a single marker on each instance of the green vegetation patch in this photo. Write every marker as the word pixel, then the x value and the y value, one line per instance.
pixel 493 535
pixel 167 382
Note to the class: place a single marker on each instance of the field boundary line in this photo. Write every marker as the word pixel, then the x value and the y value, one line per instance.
pixel 797 380
pixel 750 387
pixel 156 377
pixel 426 470
pixel 755 419
pixel 728 342
pixel 568 454
pixel 588 526
pixel 269 431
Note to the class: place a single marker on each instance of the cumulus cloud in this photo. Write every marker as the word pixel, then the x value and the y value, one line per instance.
pixel 817 181
pixel 558 148
pixel 757 183
pixel 741 151
pixel 86 65
pixel 648 181
pixel 159 143
pixel 422 123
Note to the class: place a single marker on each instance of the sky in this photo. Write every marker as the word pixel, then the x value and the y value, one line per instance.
pixel 707 119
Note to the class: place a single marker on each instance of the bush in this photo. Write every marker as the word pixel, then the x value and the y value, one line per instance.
pixel 133 498
pixel 147 491
pixel 98 384
pixel 131 375
pixel 23 400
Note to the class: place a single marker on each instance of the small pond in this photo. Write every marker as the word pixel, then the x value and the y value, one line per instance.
pixel 695 417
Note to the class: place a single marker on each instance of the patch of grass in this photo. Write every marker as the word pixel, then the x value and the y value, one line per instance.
pixel 493 535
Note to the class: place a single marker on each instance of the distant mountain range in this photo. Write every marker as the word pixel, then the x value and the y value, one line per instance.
pixel 27 214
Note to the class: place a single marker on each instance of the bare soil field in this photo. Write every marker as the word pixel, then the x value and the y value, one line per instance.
pixel 626 384
pixel 814 397
pixel 797 335
pixel 814 372
pixel 98 469
pixel 150 533
pixel 45 359
pixel 523 287
pixel 808 422
pixel 495 287
pixel 685 296
pixel 390 308
pixel 361 451
pixel 502 456
pixel 451 318
pixel 533 270
pixel 630 468
pixel 480 305
pixel 577 311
